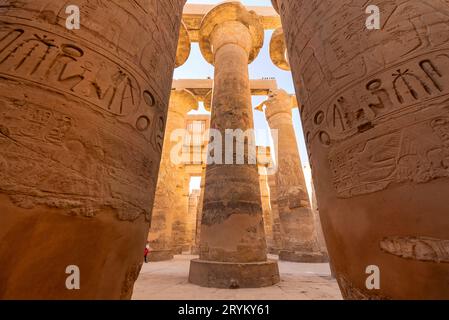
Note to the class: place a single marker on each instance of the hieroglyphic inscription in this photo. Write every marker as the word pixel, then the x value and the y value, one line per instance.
pixel 349 53
pixel 351 292
pixel 353 82
pixel 36 59
pixel 82 113
pixel 400 87
pixel 379 159
pixel 65 66
pixel 51 61
pixel 47 160
pixel 401 156
pixel 375 115
pixel 417 248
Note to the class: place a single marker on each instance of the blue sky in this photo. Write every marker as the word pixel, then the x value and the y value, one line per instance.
pixel 197 68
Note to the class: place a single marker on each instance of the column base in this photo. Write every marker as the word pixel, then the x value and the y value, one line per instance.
pixel 233 275
pixel 305 257
pixel 160 255
pixel 177 250
pixel 186 249
pixel 195 250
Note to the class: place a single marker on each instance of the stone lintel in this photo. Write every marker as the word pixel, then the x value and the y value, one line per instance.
pixel 194 13
pixel 202 87
pixel 194 169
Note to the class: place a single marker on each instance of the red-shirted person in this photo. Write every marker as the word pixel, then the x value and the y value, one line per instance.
pixel 146 252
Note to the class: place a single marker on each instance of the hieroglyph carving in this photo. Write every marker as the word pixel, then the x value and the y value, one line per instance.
pixel 74 71
pixel 65 67
pixel 392 155
pixel 417 248
pixel 376 118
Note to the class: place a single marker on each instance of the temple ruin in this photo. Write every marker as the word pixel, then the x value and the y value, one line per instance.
pixel 100 146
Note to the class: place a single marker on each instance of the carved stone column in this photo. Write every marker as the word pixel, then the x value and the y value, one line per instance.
pixel 199 215
pixel 277 242
pixel 298 234
pixel 266 207
pixel 169 199
pixel 82 116
pixel 233 249
pixel 193 217
pixel 318 227
pixel 265 167
pixel 376 121
pixel 180 209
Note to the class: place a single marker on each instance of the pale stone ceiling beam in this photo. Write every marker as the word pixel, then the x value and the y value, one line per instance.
pixel 193 15
pixel 201 87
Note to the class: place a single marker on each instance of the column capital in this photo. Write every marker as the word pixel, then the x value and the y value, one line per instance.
pixel 279 101
pixel 278 50
pixel 208 101
pixel 184 46
pixel 227 23
pixel 182 101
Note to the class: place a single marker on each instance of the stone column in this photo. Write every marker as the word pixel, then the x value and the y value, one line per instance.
pixel 193 217
pixel 298 234
pixel 233 249
pixel 199 215
pixel 82 116
pixel 277 243
pixel 318 228
pixel 180 208
pixel 169 199
pixel 266 207
pixel 377 128
pixel 265 165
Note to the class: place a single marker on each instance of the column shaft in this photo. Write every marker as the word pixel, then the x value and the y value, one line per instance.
pixel 232 194
pixel 277 242
pixel 167 230
pixel 266 207
pixel 233 247
pixel 376 123
pixel 180 208
pixel 167 196
pixel 318 227
pixel 196 249
pixel 82 117
pixel 298 233
pixel 193 217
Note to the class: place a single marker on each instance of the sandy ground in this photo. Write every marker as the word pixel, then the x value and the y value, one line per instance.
pixel 299 281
